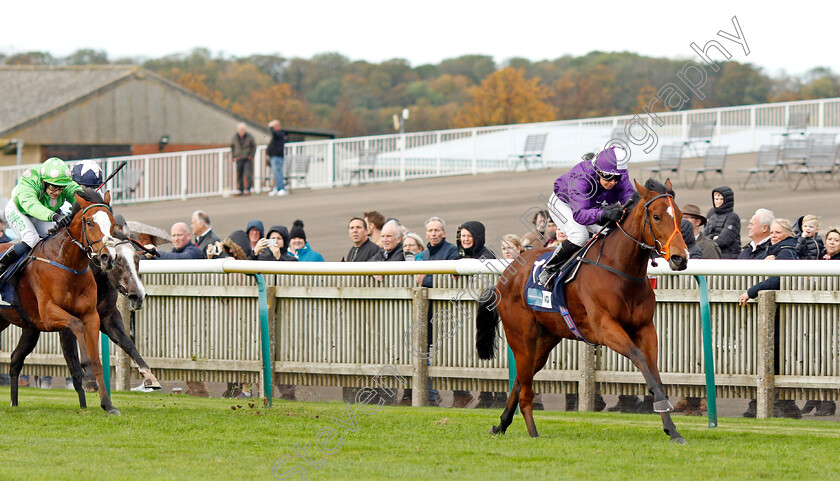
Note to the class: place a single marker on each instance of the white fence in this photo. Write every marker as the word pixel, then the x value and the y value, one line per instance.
pixel 183 175
pixel 334 330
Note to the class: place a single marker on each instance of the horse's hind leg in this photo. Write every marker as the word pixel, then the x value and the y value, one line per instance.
pixel 510 409
pixel 544 346
pixel 112 325
pixel 28 341
pixel 71 357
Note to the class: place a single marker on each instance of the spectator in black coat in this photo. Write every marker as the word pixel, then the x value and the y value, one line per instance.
pixel 202 231
pixel 183 246
pixel 687 231
pixel 470 241
pixel 274 247
pixel 363 249
pixel 809 244
pixel 758 231
pixel 783 247
pixel 724 225
pixel 392 243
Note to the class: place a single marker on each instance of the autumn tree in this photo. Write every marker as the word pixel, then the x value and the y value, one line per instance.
pixel 585 95
pixel 277 102
pixel 506 97
pixel 198 84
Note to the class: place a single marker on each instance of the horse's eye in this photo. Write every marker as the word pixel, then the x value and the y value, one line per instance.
pixel 656 218
pixel 88 222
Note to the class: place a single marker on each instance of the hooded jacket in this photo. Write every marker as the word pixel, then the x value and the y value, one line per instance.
pixel 687 231
pixel 724 225
pixel 478 250
pixel 782 250
pixel 267 255
pixel 258 224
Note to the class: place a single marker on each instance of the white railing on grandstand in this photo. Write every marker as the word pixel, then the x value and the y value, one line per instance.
pixel 337 162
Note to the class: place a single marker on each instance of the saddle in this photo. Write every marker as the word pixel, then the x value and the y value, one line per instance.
pixel 540 299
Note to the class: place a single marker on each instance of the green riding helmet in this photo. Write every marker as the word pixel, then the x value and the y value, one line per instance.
pixel 55 171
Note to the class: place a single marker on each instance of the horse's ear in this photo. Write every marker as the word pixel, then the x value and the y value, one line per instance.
pixel 81 201
pixel 640 189
pixel 668 184
pixel 107 197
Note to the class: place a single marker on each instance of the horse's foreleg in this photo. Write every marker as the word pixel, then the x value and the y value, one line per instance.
pixel 88 379
pixel 646 341
pixel 28 341
pixel 112 325
pixel 71 357
pixel 88 330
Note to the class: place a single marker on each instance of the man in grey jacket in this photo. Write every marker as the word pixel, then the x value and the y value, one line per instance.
pixel 242 147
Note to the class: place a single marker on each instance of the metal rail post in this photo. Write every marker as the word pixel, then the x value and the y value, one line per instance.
pixel 268 389
pixel 708 352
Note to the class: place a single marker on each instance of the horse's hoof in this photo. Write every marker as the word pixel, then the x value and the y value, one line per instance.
pixel 663 406
pixel 113 412
pixel 496 430
pixel 679 440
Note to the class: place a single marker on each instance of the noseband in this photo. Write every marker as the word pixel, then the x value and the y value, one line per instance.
pixel 663 250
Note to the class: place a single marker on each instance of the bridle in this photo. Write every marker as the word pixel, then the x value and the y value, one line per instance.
pixel 88 248
pixel 663 250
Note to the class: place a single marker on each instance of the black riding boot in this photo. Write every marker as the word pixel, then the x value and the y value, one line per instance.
pixel 11 255
pixel 561 254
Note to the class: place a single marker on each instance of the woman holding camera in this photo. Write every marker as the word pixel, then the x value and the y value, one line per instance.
pixel 273 247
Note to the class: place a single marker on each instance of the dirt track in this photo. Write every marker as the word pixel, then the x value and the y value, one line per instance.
pixel 498 200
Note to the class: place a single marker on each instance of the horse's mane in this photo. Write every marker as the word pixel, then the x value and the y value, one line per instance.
pixel 91 195
pixel 650 184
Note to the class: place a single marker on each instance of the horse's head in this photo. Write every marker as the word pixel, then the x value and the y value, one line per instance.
pixel 93 227
pixel 124 276
pixel 661 222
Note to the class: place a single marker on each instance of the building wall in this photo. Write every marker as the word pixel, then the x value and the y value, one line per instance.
pixel 138 111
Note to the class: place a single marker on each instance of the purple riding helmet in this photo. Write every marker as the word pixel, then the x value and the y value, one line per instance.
pixel 606 162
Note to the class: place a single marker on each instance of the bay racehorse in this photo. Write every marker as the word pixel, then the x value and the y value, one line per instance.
pixel 610 300
pixel 123 279
pixel 59 293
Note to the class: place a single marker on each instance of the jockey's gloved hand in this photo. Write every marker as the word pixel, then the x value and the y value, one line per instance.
pixel 611 213
pixel 61 220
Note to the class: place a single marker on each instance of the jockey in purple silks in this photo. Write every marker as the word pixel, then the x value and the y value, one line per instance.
pixel 585 199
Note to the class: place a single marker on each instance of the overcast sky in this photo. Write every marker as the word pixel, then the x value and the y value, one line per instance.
pixel 795 37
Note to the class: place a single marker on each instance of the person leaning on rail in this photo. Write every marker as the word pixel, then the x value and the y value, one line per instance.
pixel 782 247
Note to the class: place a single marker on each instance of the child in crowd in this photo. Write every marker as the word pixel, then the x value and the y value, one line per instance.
pixel 809 245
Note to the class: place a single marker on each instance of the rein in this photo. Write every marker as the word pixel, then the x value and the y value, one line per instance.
pixel 663 250
pixel 86 249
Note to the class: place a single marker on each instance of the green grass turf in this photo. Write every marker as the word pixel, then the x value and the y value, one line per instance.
pixel 184 438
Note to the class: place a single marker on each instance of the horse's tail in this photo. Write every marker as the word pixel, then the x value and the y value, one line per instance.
pixel 486 319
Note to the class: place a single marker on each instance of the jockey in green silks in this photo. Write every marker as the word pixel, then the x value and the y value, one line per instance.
pixel 35 206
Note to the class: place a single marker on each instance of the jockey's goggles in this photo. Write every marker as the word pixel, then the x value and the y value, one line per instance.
pixel 47 185
pixel 609 177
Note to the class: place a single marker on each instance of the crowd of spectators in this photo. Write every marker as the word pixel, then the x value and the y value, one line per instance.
pixel 374 237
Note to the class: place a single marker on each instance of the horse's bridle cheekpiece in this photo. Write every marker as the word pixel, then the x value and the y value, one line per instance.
pixel 664 250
